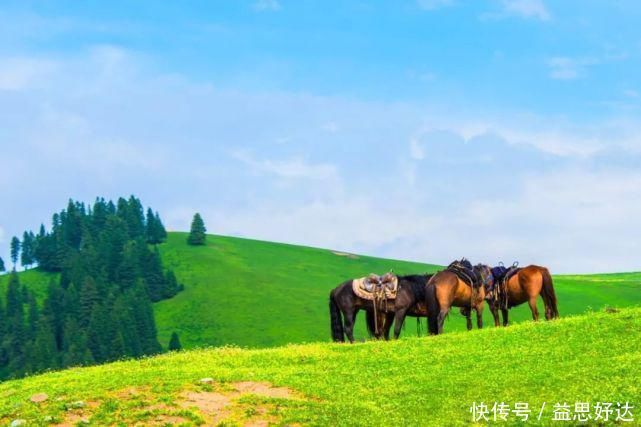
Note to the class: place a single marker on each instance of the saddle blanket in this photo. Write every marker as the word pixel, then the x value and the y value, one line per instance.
pixel 376 287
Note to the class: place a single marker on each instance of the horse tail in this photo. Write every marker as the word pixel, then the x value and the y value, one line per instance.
pixel 432 308
pixel 371 323
pixel 547 292
pixel 336 320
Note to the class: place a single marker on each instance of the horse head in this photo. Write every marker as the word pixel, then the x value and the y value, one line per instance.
pixel 487 278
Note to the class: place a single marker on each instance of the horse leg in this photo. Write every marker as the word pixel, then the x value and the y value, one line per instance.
pixel 350 316
pixel 399 318
pixel 495 314
pixel 479 315
pixel 468 318
pixel 389 319
pixel 505 312
pixel 535 310
pixel 441 318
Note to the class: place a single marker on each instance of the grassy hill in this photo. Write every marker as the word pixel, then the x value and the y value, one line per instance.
pixel 414 381
pixel 260 294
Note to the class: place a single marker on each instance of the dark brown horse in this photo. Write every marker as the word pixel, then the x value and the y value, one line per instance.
pixel 344 304
pixel 410 301
pixel 446 290
pixel 524 286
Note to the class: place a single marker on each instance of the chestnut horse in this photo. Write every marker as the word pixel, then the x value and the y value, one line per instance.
pixel 445 289
pixel 525 286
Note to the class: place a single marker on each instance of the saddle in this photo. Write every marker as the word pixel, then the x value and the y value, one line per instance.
pixel 464 271
pixel 502 276
pixel 375 287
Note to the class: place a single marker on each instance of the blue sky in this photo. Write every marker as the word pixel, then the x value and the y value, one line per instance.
pixel 428 130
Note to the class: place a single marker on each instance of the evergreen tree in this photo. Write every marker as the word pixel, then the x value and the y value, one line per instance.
pixel 89 299
pixel 28 247
pixel 45 351
pixel 174 343
pixel 15 250
pixel 16 336
pixel 75 351
pixel 99 307
pixel 33 317
pixel 161 232
pixel 197 234
pixel 171 285
pixel 2 268
pixel 156 232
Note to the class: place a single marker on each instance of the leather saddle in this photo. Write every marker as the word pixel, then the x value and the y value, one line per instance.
pixel 464 271
pixel 375 286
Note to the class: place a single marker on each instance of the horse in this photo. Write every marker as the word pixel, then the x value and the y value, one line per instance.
pixel 410 301
pixel 524 286
pixel 344 304
pixel 446 289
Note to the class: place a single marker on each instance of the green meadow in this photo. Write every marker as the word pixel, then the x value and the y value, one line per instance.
pixel 264 306
pixel 428 381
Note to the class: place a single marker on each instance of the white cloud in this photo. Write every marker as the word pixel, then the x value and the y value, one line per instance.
pixel 416 149
pixel 23 73
pixel 526 9
pixel 400 180
pixel 266 5
pixel 534 9
pixel 288 168
pixel 566 68
pixel 434 4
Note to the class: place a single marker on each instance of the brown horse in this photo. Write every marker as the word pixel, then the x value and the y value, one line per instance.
pixel 445 289
pixel 525 286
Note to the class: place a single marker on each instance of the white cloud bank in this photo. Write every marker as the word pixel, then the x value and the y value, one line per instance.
pixel 396 180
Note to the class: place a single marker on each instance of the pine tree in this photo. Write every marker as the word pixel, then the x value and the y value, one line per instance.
pixel 16 339
pixel 33 317
pixel 197 234
pixel 15 250
pixel 89 299
pixel 99 306
pixel 161 232
pixel 45 354
pixel 155 230
pixel 174 343
pixel 2 268
pixel 27 255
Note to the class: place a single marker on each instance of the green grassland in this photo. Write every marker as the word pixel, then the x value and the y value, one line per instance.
pixel 258 294
pixel 413 381
pixel 262 294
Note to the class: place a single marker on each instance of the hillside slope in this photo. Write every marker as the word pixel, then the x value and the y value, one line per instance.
pixel 415 381
pixel 260 294
pixel 257 294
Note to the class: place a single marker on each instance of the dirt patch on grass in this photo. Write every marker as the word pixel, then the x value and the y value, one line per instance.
pixel 263 389
pixel 345 254
pixel 225 405
pixel 214 406
pixel 72 419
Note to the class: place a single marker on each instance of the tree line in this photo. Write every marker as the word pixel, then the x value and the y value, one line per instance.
pixel 98 307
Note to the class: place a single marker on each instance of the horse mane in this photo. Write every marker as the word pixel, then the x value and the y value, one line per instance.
pixel 416 284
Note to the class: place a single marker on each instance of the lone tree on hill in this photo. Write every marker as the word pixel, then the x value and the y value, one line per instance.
pixel 197 234
pixel 174 343
pixel 15 250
